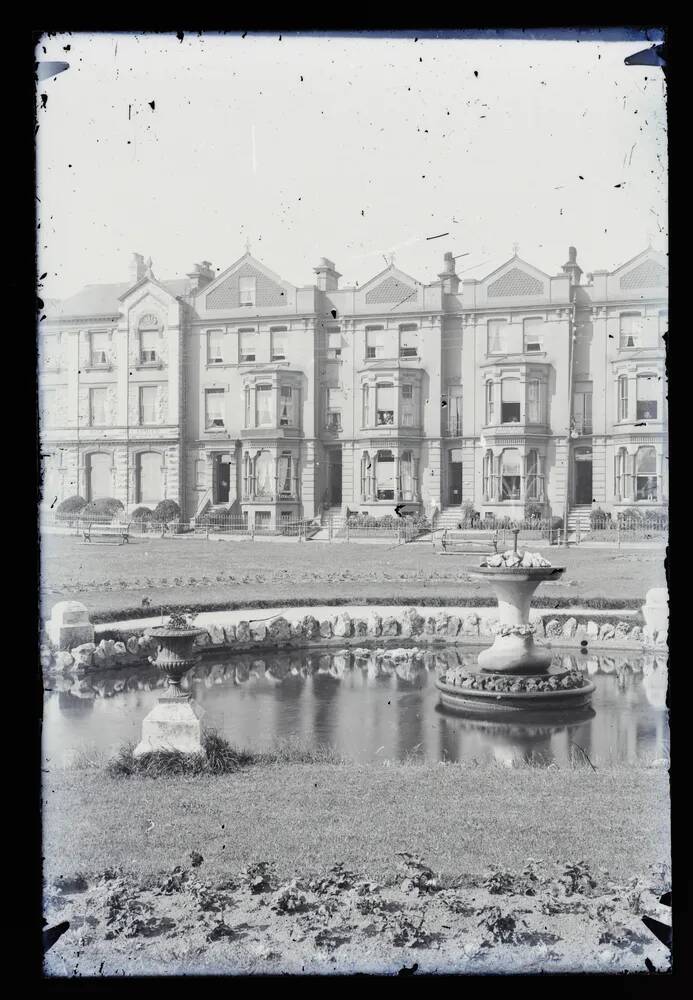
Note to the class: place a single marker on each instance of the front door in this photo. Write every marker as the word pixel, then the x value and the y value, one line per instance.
pixel 222 480
pixel 334 473
pixel 583 482
pixel 455 479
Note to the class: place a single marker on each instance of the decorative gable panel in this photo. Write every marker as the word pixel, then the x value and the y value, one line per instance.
pixel 391 290
pixel 227 296
pixel 649 274
pixel 515 282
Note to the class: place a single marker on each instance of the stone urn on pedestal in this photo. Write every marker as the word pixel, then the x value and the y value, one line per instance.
pixel 174 723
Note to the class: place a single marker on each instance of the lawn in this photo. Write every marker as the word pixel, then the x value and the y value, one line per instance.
pixel 170 571
pixel 307 817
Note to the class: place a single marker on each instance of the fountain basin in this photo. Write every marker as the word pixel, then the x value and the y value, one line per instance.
pixel 506 703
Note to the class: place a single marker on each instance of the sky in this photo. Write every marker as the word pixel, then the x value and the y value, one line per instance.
pixel 349 148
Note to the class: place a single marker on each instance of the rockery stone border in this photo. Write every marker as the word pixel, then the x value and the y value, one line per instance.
pixel 128 647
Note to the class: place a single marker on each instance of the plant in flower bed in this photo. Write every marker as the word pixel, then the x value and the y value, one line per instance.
pixel 516 560
pixel 521 630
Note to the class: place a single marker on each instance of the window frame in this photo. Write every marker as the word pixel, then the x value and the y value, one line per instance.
pixel 250 289
pixel 92 390
pixel 248 332
pixel 283 331
pixel 209 393
pixel 216 360
pixel 636 336
pixel 140 409
pixel 526 338
pixel 502 325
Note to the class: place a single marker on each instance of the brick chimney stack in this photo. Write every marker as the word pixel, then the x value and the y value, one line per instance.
pixel 138 268
pixel 572 268
pixel 201 275
pixel 328 277
pixel 448 277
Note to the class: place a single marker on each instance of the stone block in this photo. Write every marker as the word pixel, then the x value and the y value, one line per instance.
pixel 258 631
pixel 243 632
pixel 280 630
pixel 64 661
pixel 592 630
pixel 454 624
pixel 441 624
pixel 120 651
pixel 343 625
pixel 470 624
pixel 84 654
pixel 204 639
pixel 606 632
pixel 297 630
pixel 311 627
pixel 635 634
pixel 622 630
pixel 216 634
pixel 132 645
pixel 172 725
pixel 539 629
pixel 69 625
pixel 569 627
pixel 375 625
pixel 229 634
pixel 360 627
pixel 390 626
pixel 326 629
pixel 430 626
pixel 554 629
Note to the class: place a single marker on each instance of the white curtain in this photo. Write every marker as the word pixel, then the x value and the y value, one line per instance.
pixel 264 474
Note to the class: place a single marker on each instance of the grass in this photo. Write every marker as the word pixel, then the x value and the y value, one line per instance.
pixel 309 816
pixel 219 757
pixel 199 573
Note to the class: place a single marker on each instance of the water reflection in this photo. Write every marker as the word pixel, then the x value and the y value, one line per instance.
pixel 371 704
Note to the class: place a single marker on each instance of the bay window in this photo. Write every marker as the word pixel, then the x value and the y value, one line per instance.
pixel 630 329
pixel 646 397
pixel 215 351
pixel 263 406
pixel 489 402
pixel 534 487
pixel 407 475
pixel 287 406
pixel 534 402
pixel 407 406
pixel 384 404
pixel 279 346
pixel 511 472
pixel 214 409
pixel 497 338
pixel 620 474
pixel 264 474
pixel 510 400
pixel 646 474
pixel 385 476
pixel 623 397
pixel 284 474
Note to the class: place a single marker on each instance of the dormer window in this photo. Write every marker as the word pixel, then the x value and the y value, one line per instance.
pixel 98 349
pixel 246 291
pixel 630 329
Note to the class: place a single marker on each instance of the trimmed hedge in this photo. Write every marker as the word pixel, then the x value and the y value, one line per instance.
pixel 166 510
pixel 142 514
pixel 102 507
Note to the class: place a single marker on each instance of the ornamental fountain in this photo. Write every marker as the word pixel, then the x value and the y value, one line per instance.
pixel 174 723
pixel 515 676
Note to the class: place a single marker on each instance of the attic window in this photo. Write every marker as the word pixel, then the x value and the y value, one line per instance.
pixel 246 290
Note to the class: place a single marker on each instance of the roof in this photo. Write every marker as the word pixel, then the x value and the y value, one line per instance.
pixel 104 300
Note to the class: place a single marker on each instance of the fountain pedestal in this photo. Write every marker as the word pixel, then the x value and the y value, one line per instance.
pixel 175 722
pixel 514 587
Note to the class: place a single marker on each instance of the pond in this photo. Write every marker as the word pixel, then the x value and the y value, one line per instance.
pixel 369 707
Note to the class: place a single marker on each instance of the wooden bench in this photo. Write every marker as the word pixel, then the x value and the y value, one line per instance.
pixel 454 542
pixel 118 533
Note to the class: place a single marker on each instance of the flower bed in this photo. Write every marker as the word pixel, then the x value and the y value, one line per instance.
pixel 459 677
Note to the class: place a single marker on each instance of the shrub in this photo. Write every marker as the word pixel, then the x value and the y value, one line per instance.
pixel 599 518
pixel 142 514
pixel 533 511
pixel 630 518
pixel 167 510
pixel 69 508
pixel 556 522
pixel 103 507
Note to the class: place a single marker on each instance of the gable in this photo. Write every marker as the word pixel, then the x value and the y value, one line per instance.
pixel 391 290
pixel 648 274
pixel 226 295
pixel 515 282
